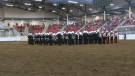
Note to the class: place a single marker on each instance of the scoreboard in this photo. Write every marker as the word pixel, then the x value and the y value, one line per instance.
pixel 101 3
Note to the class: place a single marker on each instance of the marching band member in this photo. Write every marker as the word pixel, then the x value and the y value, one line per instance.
pixel 99 37
pixel 104 37
pixel 115 37
pixel 107 37
pixel 111 37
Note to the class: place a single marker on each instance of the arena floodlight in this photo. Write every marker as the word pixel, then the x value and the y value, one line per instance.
pixel 90 8
pixel 29 8
pixel 27 4
pixel 10 5
pixel 71 10
pixel 53 11
pixel 40 7
pixel 5 0
pixel 38 0
pixel 63 8
pixel 72 2
pixel 111 4
pixel 81 5
pixel 55 4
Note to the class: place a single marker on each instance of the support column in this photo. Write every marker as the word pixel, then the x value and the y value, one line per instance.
pixel 2 16
pixel 130 12
pixel 104 15
pixel 58 20
pixel 9 33
pixel 67 19
pixel 85 19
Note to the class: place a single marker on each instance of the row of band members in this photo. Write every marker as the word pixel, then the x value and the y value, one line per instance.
pixel 73 38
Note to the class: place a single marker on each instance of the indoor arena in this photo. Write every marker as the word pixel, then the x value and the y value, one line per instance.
pixel 67 37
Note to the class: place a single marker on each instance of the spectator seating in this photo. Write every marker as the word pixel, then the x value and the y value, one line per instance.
pixel 94 25
pixel 129 22
pixel 74 28
pixel 36 29
pixel 112 23
pixel 19 28
pixel 54 28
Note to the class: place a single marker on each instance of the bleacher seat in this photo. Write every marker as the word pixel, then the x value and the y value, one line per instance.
pixel 94 25
pixel 54 28
pixel 19 28
pixel 36 29
pixel 71 28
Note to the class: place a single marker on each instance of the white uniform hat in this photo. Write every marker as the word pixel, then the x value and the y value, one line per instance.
pixel 98 30
pixel 76 33
pixel 39 33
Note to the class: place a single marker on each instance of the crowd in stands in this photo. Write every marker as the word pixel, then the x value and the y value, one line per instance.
pixel 31 28
pixel 74 27
pixel 94 25
pixel 112 23
pixel 36 28
pixel 130 21
pixel 54 28
pixel 19 28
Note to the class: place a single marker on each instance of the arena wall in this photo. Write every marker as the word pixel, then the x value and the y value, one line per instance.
pixel 19 13
pixel 32 22
pixel 128 37
pixel 24 38
pixel 1 13
pixel 10 39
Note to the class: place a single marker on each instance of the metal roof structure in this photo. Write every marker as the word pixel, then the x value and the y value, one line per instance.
pixel 74 8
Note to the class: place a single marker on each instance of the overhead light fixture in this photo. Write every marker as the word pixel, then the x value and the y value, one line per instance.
pixel 40 6
pixel 111 4
pixel 10 5
pixel 29 8
pixel 28 4
pixel 55 4
pixel 4 0
pixel 63 8
pixel 81 4
pixel 90 8
pixel 72 2
pixel 53 11
pixel 38 0
pixel 71 10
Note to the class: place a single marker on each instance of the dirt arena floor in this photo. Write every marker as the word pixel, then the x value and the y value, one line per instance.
pixel 21 59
